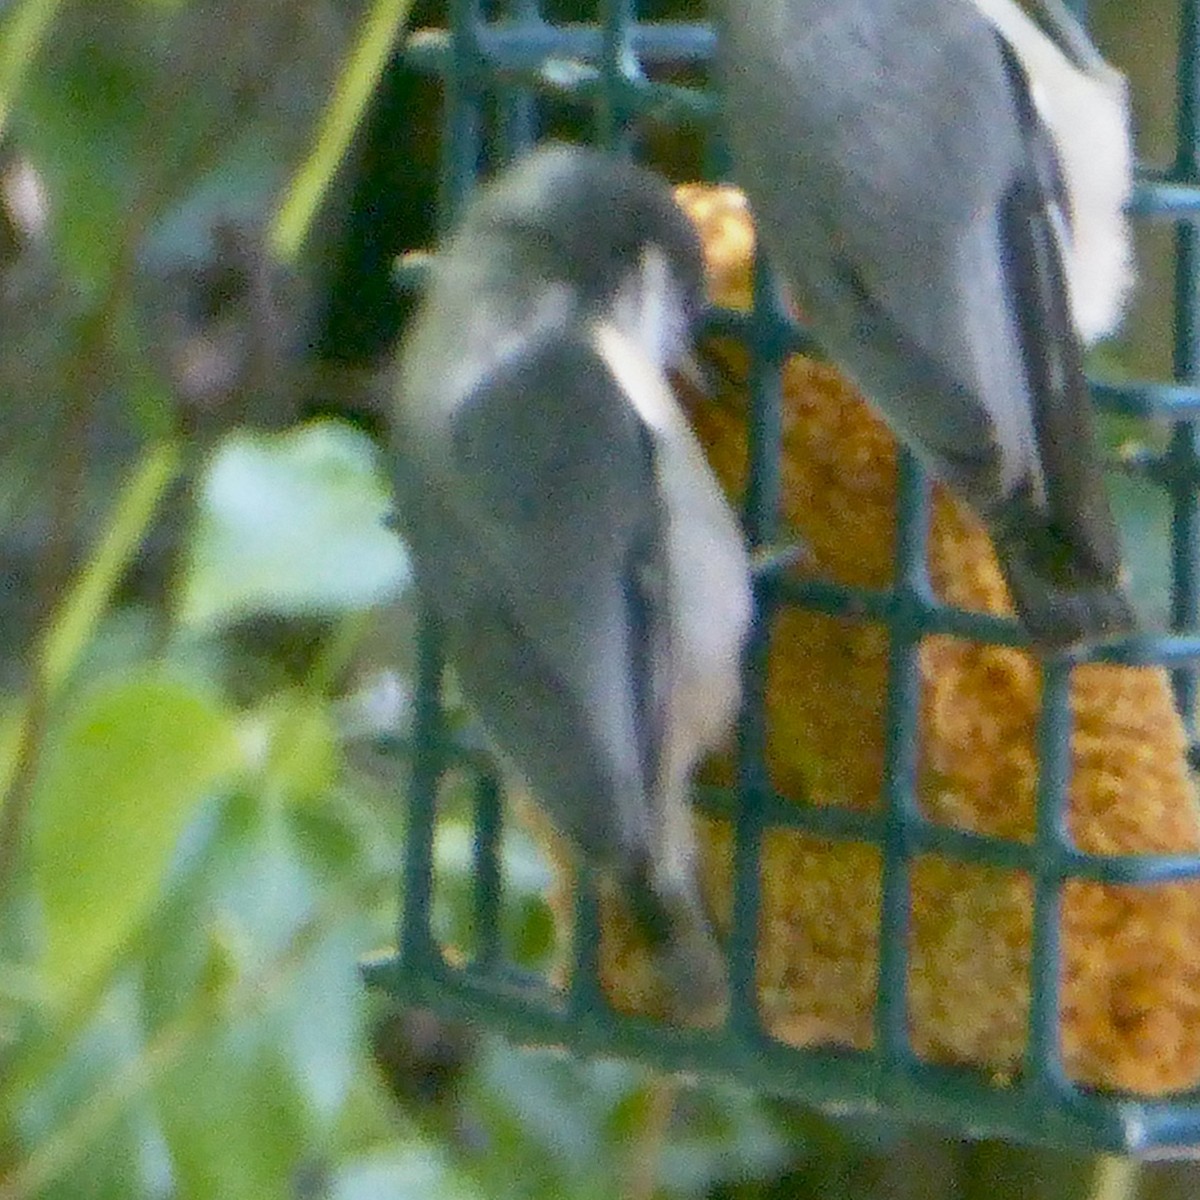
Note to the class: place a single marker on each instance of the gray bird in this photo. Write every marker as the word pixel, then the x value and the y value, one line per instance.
pixel 563 522
pixel 940 184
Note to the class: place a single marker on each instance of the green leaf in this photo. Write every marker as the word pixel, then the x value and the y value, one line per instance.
pixel 128 1155
pixel 319 1024
pixel 292 523
pixel 562 1126
pixel 235 1124
pixel 21 37
pixel 411 1171
pixel 82 119
pixel 720 1132
pixel 120 784
pixel 294 745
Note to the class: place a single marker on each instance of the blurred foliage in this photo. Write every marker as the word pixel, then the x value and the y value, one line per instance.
pixel 205 620
pixel 290 523
pixel 206 629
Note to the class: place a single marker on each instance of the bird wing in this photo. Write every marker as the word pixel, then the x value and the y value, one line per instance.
pixel 1034 228
pixel 552 524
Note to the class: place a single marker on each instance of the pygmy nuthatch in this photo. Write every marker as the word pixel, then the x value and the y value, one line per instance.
pixel 566 528
pixel 940 184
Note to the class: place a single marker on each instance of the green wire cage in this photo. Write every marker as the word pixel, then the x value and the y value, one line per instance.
pixel 498 69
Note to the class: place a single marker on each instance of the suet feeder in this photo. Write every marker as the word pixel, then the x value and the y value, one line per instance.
pixel 957 883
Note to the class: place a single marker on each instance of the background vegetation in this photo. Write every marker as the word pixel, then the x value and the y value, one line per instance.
pixel 204 645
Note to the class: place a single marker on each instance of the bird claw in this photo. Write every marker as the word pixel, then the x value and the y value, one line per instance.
pixel 776 558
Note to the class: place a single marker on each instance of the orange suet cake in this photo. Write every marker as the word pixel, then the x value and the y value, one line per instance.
pixel 1131 980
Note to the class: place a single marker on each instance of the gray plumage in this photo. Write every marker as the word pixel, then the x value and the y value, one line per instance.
pixel 564 525
pixel 913 197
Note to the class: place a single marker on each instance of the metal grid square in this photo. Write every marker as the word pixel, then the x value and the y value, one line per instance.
pixel 497 69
